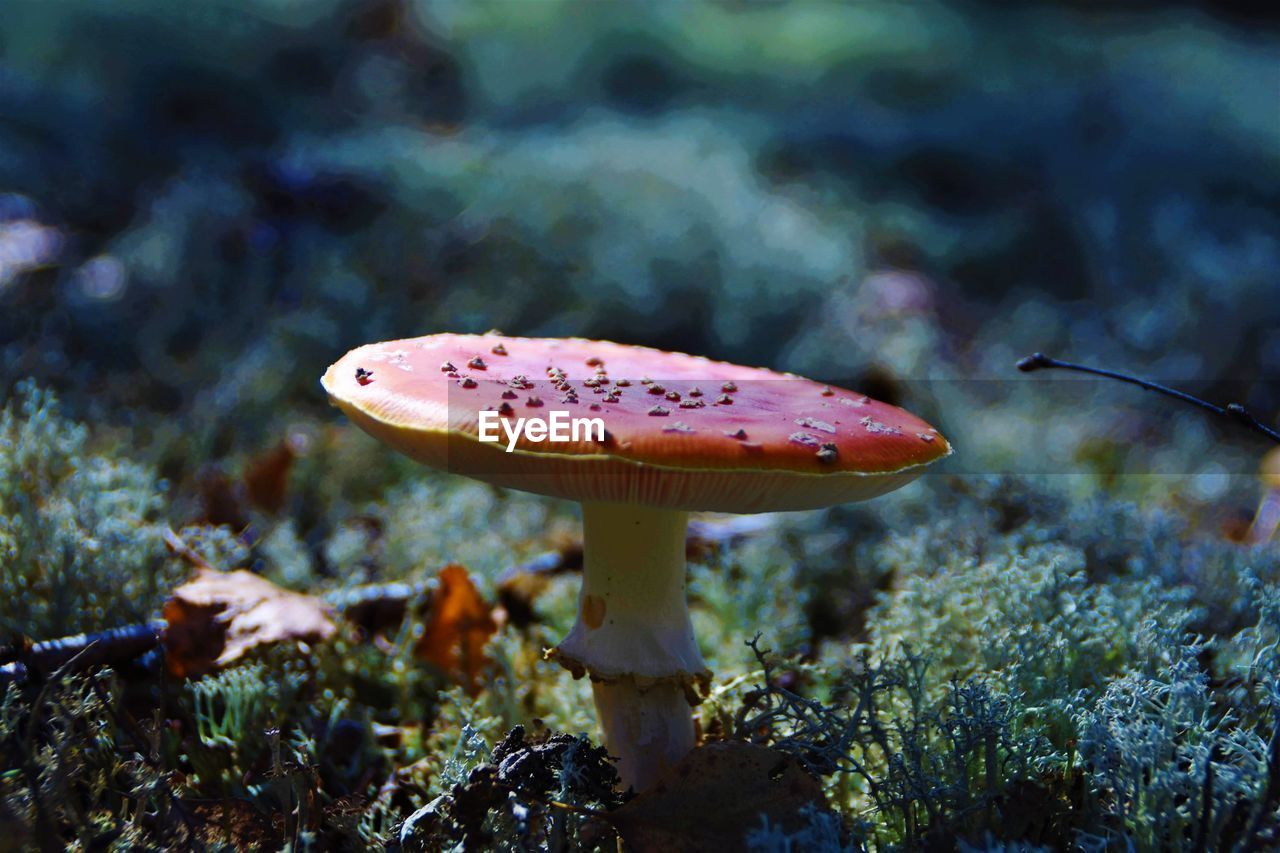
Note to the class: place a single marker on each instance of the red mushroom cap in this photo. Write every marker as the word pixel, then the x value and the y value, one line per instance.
pixel 683 432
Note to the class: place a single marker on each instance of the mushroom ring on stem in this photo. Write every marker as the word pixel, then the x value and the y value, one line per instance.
pixel 640 438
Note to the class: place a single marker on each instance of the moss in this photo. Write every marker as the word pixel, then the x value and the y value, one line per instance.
pixel 1011 665
pixel 81 533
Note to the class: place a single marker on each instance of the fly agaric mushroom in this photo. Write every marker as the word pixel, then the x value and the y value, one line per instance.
pixel 767 442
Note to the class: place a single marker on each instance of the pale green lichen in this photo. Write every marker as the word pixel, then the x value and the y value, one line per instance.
pixel 81 533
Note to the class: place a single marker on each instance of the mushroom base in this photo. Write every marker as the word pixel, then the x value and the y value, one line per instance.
pixel 647 729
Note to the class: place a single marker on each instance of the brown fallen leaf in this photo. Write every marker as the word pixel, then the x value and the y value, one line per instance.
pixel 519 586
pixel 459 625
pixel 221 502
pixel 266 477
pixel 217 617
pixel 715 796
pixel 217 821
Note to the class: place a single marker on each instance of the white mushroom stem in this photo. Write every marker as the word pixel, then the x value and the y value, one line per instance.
pixel 648 730
pixel 634 638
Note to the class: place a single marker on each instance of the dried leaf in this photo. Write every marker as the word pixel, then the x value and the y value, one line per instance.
pixel 516 595
pixel 217 617
pixel 458 627
pixel 217 821
pixel 712 798
pixel 521 585
pixel 266 478
pixel 220 500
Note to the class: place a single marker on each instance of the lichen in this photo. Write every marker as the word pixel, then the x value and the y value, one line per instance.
pixel 81 533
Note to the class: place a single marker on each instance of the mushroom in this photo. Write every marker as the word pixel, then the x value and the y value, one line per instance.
pixel 781 443
pixel 1267 520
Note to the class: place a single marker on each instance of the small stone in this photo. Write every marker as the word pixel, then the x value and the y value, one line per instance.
pixel 498 349
pixel 534 401
pixel 679 426
pixel 655 388
pixel 695 391
pixel 725 400
pixel 506 409
pixel 467 382
pixel 447 367
pixel 659 412
pixel 804 438
pixel 508 394
pixel 673 396
pixel 477 363
pixel 728 387
pixel 622 383
pixel 692 404
pixel 827 392
pixel 740 434
pixel 594 361
pixel 828 454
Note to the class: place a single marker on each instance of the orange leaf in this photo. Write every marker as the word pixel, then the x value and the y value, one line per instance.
pixel 715 796
pixel 217 617
pixel 266 478
pixel 458 627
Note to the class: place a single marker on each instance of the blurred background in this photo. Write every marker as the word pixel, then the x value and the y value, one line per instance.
pixel 203 205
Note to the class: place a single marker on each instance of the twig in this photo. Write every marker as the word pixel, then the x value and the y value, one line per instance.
pixel 114 646
pixel 565 559
pixel 179 548
pixel 373 607
pixel 1233 411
